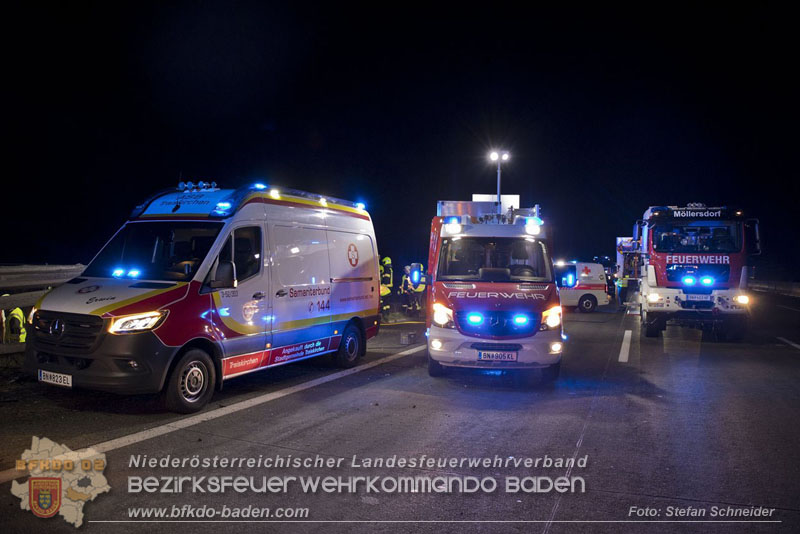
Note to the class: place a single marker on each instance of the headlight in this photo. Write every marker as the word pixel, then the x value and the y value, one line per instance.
pixel 653 297
pixel 743 299
pixel 552 317
pixel 442 315
pixel 136 323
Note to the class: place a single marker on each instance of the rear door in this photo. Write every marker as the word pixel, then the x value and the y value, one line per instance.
pixel 354 268
pixel 301 292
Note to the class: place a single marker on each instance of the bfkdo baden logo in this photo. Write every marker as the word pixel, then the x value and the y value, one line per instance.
pixel 61 480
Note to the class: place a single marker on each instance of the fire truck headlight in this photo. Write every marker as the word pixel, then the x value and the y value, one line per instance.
pixel 743 299
pixel 653 297
pixel 532 228
pixel 552 317
pixel 442 315
pixel 452 228
pixel 137 323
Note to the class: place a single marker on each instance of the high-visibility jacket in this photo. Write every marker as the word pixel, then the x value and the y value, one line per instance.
pixel 15 327
pixel 387 275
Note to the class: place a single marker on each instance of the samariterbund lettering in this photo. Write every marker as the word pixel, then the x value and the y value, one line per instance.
pixel 203 284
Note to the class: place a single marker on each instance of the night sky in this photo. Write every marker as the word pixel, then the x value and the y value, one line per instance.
pixel 605 113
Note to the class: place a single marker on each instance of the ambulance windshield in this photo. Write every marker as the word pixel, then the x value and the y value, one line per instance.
pixel 697 236
pixel 155 251
pixel 494 259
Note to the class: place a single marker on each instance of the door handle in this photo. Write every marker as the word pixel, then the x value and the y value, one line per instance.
pixel 281 293
pixel 260 295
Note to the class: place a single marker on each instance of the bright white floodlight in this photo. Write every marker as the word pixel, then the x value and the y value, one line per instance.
pixel 494 156
pixel 505 156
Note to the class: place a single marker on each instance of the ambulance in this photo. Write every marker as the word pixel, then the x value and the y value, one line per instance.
pixel 493 302
pixel 204 284
pixel 582 285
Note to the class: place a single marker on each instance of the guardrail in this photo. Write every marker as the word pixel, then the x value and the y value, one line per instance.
pixel 27 283
pixel 791 289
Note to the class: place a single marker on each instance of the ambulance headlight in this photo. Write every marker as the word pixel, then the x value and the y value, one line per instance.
pixel 442 315
pixel 139 322
pixel 653 297
pixel 552 318
pixel 743 300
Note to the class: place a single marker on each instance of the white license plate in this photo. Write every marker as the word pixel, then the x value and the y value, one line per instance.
pixel 57 379
pixel 698 297
pixel 498 356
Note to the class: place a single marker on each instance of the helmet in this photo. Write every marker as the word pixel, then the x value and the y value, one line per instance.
pixel 407 269
pixel 386 260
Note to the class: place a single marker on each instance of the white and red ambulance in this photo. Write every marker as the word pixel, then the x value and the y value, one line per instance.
pixel 492 301
pixel 582 285
pixel 205 284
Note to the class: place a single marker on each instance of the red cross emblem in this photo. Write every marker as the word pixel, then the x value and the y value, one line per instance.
pixel 352 255
pixel 586 271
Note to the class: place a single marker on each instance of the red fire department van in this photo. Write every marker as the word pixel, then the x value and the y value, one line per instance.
pixel 492 301
pixel 205 284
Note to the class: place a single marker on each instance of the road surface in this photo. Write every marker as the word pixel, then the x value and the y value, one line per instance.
pixel 676 424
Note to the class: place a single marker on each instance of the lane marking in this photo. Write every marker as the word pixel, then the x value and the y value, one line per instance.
pixel 136 437
pixel 787 307
pixel 626 346
pixel 791 343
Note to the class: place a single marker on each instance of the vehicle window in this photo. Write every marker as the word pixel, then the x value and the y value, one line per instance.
pixel 243 247
pixel 494 259
pixel 171 251
pixel 566 275
pixel 301 256
pixel 699 236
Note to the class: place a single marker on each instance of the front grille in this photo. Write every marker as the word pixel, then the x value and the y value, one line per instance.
pixel 66 332
pixel 498 324
pixel 720 273
pixel 500 347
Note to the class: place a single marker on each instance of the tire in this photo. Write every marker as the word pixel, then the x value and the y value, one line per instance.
pixel 350 348
pixel 649 328
pixel 190 385
pixel 587 303
pixel 435 368
pixel 550 374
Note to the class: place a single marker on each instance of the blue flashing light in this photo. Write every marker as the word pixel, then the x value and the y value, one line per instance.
pixel 689 280
pixel 521 320
pixel 225 312
pixel 361 206
pixel 118 273
pixel 223 206
pixel 452 220
pixel 415 276
pixel 707 281
pixel 134 273
pixel 568 281
pixel 475 318
pixel 534 220
pixel 259 186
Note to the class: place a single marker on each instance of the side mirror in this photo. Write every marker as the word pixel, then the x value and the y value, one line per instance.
pixel 225 277
pixel 752 238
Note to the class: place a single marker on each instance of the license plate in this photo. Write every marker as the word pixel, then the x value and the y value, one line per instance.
pixel 57 379
pixel 698 297
pixel 498 356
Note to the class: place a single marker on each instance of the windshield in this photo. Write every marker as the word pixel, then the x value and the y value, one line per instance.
pixel 155 251
pixel 697 236
pixel 494 259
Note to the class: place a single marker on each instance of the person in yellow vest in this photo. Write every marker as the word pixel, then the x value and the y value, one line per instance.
pixel 387 273
pixel 14 331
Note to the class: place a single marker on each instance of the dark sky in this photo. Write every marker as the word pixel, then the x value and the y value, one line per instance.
pixel 605 112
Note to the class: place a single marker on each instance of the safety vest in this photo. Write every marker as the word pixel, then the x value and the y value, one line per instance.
pixel 10 337
pixel 387 276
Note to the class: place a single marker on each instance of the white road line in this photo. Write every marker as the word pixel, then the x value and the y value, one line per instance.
pixel 787 307
pixel 791 343
pixel 136 437
pixel 626 346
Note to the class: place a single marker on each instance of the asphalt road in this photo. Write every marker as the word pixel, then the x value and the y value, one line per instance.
pixel 680 421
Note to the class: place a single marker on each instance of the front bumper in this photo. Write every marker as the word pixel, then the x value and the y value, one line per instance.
pixel 675 303
pixel 107 367
pixel 458 350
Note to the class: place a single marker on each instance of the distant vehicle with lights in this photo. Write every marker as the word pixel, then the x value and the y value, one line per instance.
pixel 695 268
pixel 492 297
pixel 582 285
pixel 204 284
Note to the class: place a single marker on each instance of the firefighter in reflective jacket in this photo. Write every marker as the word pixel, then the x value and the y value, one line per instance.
pixel 14 331
pixel 386 285
pixel 412 293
